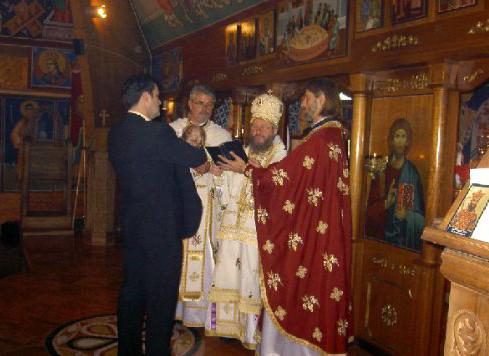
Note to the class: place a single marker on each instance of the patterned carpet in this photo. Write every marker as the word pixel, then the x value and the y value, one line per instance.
pixel 97 336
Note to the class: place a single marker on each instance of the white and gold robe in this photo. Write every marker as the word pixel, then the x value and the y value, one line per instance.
pixel 234 297
pixel 198 251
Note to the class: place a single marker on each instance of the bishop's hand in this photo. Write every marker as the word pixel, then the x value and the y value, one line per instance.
pixel 234 165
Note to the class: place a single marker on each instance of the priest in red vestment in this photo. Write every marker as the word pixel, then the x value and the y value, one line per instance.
pixel 303 222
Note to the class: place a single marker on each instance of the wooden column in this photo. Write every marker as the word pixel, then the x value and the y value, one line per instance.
pixel 443 145
pixel 439 185
pixel 358 86
pixel 101 192
pixel 440 99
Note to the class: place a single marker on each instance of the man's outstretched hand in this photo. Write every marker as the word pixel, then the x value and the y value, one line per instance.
pixel 237 164
pixel 203 168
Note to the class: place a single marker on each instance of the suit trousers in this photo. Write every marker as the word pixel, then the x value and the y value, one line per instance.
pixel 149 289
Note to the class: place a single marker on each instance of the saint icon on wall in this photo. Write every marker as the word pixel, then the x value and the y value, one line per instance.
pixel 52 67
pixel 407 10
pixel 395 209
pixel 368 14
pixel 247 42
pixel 33 120
pixel 232 44
pixel 168 69
pixel 266 34
pixel 24 130
pixel 450 5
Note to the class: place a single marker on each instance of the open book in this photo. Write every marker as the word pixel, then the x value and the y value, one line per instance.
pixel 225 148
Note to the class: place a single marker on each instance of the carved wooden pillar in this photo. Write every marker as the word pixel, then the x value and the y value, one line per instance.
pixel 358 86
pixel 440 99
pixel 442 152
pixel 443 146
pixel 439 185
pixel 101 192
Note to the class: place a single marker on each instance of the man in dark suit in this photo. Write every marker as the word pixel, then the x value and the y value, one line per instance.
pixel 159 206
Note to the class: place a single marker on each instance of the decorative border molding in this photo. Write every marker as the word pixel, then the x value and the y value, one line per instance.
pixel 417 81
pixel 402 269
pixel 479 27
pixel 252 70
pixel 395 42
pixel 472 76
pixel 389 315
pixel 219 77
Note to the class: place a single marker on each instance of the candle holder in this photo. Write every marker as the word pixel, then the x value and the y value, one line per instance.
pixel 375 164
pixel 483 144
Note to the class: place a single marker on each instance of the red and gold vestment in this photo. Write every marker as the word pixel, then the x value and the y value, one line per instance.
pixel 303 222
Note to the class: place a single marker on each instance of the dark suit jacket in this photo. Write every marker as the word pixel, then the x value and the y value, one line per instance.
pixel 158 201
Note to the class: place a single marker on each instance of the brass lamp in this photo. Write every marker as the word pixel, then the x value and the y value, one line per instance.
pixel 376 164
pixel 98 11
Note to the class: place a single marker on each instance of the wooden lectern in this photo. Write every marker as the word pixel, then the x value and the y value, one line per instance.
pixel 465 263
pixel 47 165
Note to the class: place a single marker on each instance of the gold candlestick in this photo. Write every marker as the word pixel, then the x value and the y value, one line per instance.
pixel 375 164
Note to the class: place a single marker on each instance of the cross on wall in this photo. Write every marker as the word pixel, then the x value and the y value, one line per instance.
pixel 104 115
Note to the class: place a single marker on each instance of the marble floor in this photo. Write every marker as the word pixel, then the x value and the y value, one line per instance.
pixel 67 280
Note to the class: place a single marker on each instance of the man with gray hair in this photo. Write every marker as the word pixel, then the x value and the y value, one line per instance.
pixel 198 257
pixel 201 104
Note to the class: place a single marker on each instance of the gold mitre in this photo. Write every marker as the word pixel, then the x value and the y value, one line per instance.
pixel 267 107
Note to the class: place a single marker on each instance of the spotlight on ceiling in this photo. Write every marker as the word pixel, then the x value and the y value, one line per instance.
pixel 98 11
pixel 343 96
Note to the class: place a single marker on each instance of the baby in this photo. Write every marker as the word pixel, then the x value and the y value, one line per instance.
pixel 194 135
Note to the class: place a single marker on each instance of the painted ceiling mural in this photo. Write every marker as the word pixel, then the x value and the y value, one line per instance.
pixel 165 20
pixel 37 19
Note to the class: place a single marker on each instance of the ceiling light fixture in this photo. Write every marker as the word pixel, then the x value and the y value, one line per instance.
pixel 98 11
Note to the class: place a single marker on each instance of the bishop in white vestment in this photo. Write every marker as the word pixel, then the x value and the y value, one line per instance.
pixel 234 297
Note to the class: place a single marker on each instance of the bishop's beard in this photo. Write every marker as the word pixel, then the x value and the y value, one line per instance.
pixel 260 147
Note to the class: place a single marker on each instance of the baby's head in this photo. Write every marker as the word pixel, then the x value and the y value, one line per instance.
pixel 194 135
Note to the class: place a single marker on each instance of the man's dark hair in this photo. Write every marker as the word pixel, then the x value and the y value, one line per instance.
pixel 327 87
pixel 134 87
